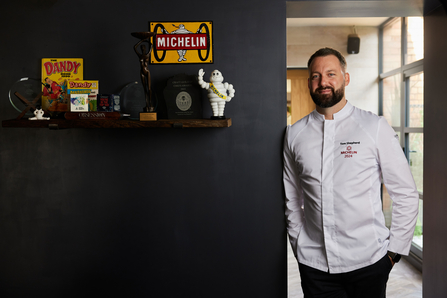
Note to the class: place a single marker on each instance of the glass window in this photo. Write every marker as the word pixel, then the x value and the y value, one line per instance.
pixel 418 231
pixel 416 101
pixel 415 39
pixel 416 158
pixel 391 99
pixel 392 35
pixel 387 205
pixel 402 95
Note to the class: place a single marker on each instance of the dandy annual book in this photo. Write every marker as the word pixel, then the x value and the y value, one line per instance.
pixel 89 91
pixel 56 72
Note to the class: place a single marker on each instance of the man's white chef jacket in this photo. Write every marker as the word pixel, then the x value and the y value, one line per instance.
pixel 332 178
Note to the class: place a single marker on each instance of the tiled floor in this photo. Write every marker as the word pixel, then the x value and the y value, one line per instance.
pixel 405 281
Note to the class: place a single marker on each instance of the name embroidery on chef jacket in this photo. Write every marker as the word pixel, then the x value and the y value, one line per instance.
pixel 349 152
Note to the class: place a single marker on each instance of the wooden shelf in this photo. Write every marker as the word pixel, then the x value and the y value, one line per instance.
pixel 120 123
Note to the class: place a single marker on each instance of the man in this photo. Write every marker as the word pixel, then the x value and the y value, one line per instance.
pixel 334 161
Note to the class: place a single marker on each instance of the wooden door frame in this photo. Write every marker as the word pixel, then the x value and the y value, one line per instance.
pixel 300 101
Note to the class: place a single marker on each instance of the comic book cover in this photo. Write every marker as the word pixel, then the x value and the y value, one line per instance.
pixel 116 99
pixel 79 102
pixel 56 72
pixel 105 103
pixel 92 103
pixel 109 103
pixel 88 88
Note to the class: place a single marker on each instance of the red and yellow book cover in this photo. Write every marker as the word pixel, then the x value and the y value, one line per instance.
pixel 56 72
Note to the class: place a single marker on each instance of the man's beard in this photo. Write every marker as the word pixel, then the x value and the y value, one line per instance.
pixel 328 100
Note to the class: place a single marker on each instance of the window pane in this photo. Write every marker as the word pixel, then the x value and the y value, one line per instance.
pixel 416 98
pixel 415 39
pixel 416 150
pixel 418 231
pixel 392 45
pixel 387 206
pixel 391 99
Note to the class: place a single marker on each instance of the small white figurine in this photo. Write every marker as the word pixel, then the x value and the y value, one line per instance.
pixel 217 92
pixel 39 115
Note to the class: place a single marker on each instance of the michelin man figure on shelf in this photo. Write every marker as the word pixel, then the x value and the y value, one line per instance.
pixel 38 113
pixel 217 92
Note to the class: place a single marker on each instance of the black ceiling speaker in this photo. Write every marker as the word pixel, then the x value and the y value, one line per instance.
pixel 353 44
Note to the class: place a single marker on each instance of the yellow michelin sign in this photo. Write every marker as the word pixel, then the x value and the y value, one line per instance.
pixel 182 42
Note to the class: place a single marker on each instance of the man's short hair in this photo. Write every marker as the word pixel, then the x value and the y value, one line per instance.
pixel 323 52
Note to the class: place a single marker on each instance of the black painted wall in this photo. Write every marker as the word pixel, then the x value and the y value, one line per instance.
pixel 145 212
pixel 434 266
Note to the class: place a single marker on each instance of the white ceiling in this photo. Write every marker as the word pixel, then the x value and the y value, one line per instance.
pixel 305 22
pixel 354 8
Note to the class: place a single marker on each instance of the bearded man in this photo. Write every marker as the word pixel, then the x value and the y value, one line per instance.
pixel 335 160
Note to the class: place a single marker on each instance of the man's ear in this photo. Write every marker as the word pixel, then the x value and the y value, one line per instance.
pixel 308 84
pixel 347 79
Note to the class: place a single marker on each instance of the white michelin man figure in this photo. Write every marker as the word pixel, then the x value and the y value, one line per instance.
pixel 217 92
pixel 38 113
